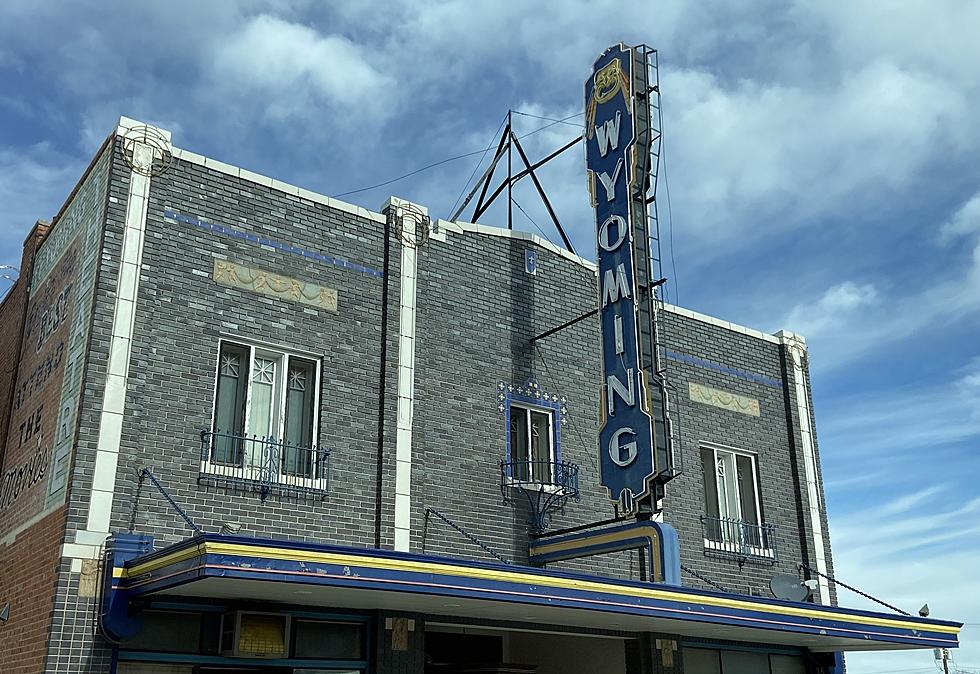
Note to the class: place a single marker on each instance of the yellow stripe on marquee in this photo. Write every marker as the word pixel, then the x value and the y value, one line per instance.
pixel 412 566
pixel 613 537
pixel 561 546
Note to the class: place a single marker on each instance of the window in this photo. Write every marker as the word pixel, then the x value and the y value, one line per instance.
pixel 323 640
pixel 532 450
pixel 265 413
pixel 701 660
pixel 731 494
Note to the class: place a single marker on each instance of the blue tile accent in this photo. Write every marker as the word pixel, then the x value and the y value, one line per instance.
pixel 262 241
pixel 725 369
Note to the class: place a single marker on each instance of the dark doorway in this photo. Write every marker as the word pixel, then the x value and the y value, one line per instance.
pixel 451 653
pixel 221 669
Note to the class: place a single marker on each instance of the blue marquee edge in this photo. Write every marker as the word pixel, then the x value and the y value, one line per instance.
pixel 658 538
pixel 217 556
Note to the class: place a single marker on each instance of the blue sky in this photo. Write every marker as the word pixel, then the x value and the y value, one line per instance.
pixel 823 174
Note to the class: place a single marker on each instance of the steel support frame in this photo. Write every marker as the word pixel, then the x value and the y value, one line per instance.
pixel 508 142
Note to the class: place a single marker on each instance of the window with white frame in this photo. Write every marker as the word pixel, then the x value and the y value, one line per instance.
pixel 532 449
pixel 265 411
pixel 731 494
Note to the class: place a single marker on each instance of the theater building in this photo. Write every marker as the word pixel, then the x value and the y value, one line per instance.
pixel 251 428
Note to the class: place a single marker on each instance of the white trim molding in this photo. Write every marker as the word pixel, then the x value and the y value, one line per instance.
pixel 796 347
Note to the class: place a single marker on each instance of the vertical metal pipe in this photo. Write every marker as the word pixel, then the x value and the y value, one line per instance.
pixel 510 171
pixel 382 384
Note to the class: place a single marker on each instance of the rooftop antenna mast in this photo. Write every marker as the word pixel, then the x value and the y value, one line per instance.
pixel 509 141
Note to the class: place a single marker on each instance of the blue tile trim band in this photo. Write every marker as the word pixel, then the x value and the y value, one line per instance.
pixel 262 241
pixel 718 367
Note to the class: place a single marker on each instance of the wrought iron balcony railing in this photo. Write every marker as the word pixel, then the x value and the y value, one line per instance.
pixel 558 474
pixel 546 485
pixel 263 464
pixel 731 537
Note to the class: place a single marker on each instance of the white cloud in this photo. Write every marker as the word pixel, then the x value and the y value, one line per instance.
pixel 295 69
pixel 749 152
pixel 34 182
pixel 848 319
pixel 833 310
pixel 966 220
pixel 889 432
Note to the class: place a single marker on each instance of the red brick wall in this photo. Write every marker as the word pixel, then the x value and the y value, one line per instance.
pixel 36 402
pixel 29 562
pixel 28 574
pixel 12 328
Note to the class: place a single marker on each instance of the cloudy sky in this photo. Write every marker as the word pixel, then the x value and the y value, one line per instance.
pixel 823 177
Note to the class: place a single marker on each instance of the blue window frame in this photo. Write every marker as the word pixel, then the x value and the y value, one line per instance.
pixel 532 422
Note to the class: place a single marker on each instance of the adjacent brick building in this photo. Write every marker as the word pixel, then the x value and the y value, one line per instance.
pixel 216 365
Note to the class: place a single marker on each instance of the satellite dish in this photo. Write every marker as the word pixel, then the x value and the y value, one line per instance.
pixel 5 612
pixel 789 587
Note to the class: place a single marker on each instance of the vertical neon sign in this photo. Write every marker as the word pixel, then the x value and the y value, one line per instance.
pixel 626 434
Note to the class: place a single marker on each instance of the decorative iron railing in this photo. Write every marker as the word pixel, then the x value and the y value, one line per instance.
pixel 263 464
pixel 731 537
pixel 546 485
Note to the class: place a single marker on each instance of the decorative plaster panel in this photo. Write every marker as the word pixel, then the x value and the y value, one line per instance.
pixel 724 399
pixel 274 285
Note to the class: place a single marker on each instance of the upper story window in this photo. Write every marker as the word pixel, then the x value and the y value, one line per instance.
pixel 734 517
pixel 265 414
pixel 532 446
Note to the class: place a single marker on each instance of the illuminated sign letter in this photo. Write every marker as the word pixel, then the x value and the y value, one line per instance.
pixel 614 286
pixel 621 230
pixel 610 183
pixel 625 392
pixel 616 450
pixel 608 134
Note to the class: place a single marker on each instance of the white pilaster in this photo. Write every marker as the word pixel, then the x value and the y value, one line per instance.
pixel 406 217
pixel 121 337
pixel 796 346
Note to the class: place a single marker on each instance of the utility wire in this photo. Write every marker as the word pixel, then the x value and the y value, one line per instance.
pixel 521 209
pixel 552 119
pixel 447 160
pixel 409 174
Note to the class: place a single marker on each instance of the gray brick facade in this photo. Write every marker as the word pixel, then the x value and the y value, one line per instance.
pixel 477 310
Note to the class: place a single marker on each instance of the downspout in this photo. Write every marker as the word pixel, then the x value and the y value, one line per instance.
pixel 382 376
